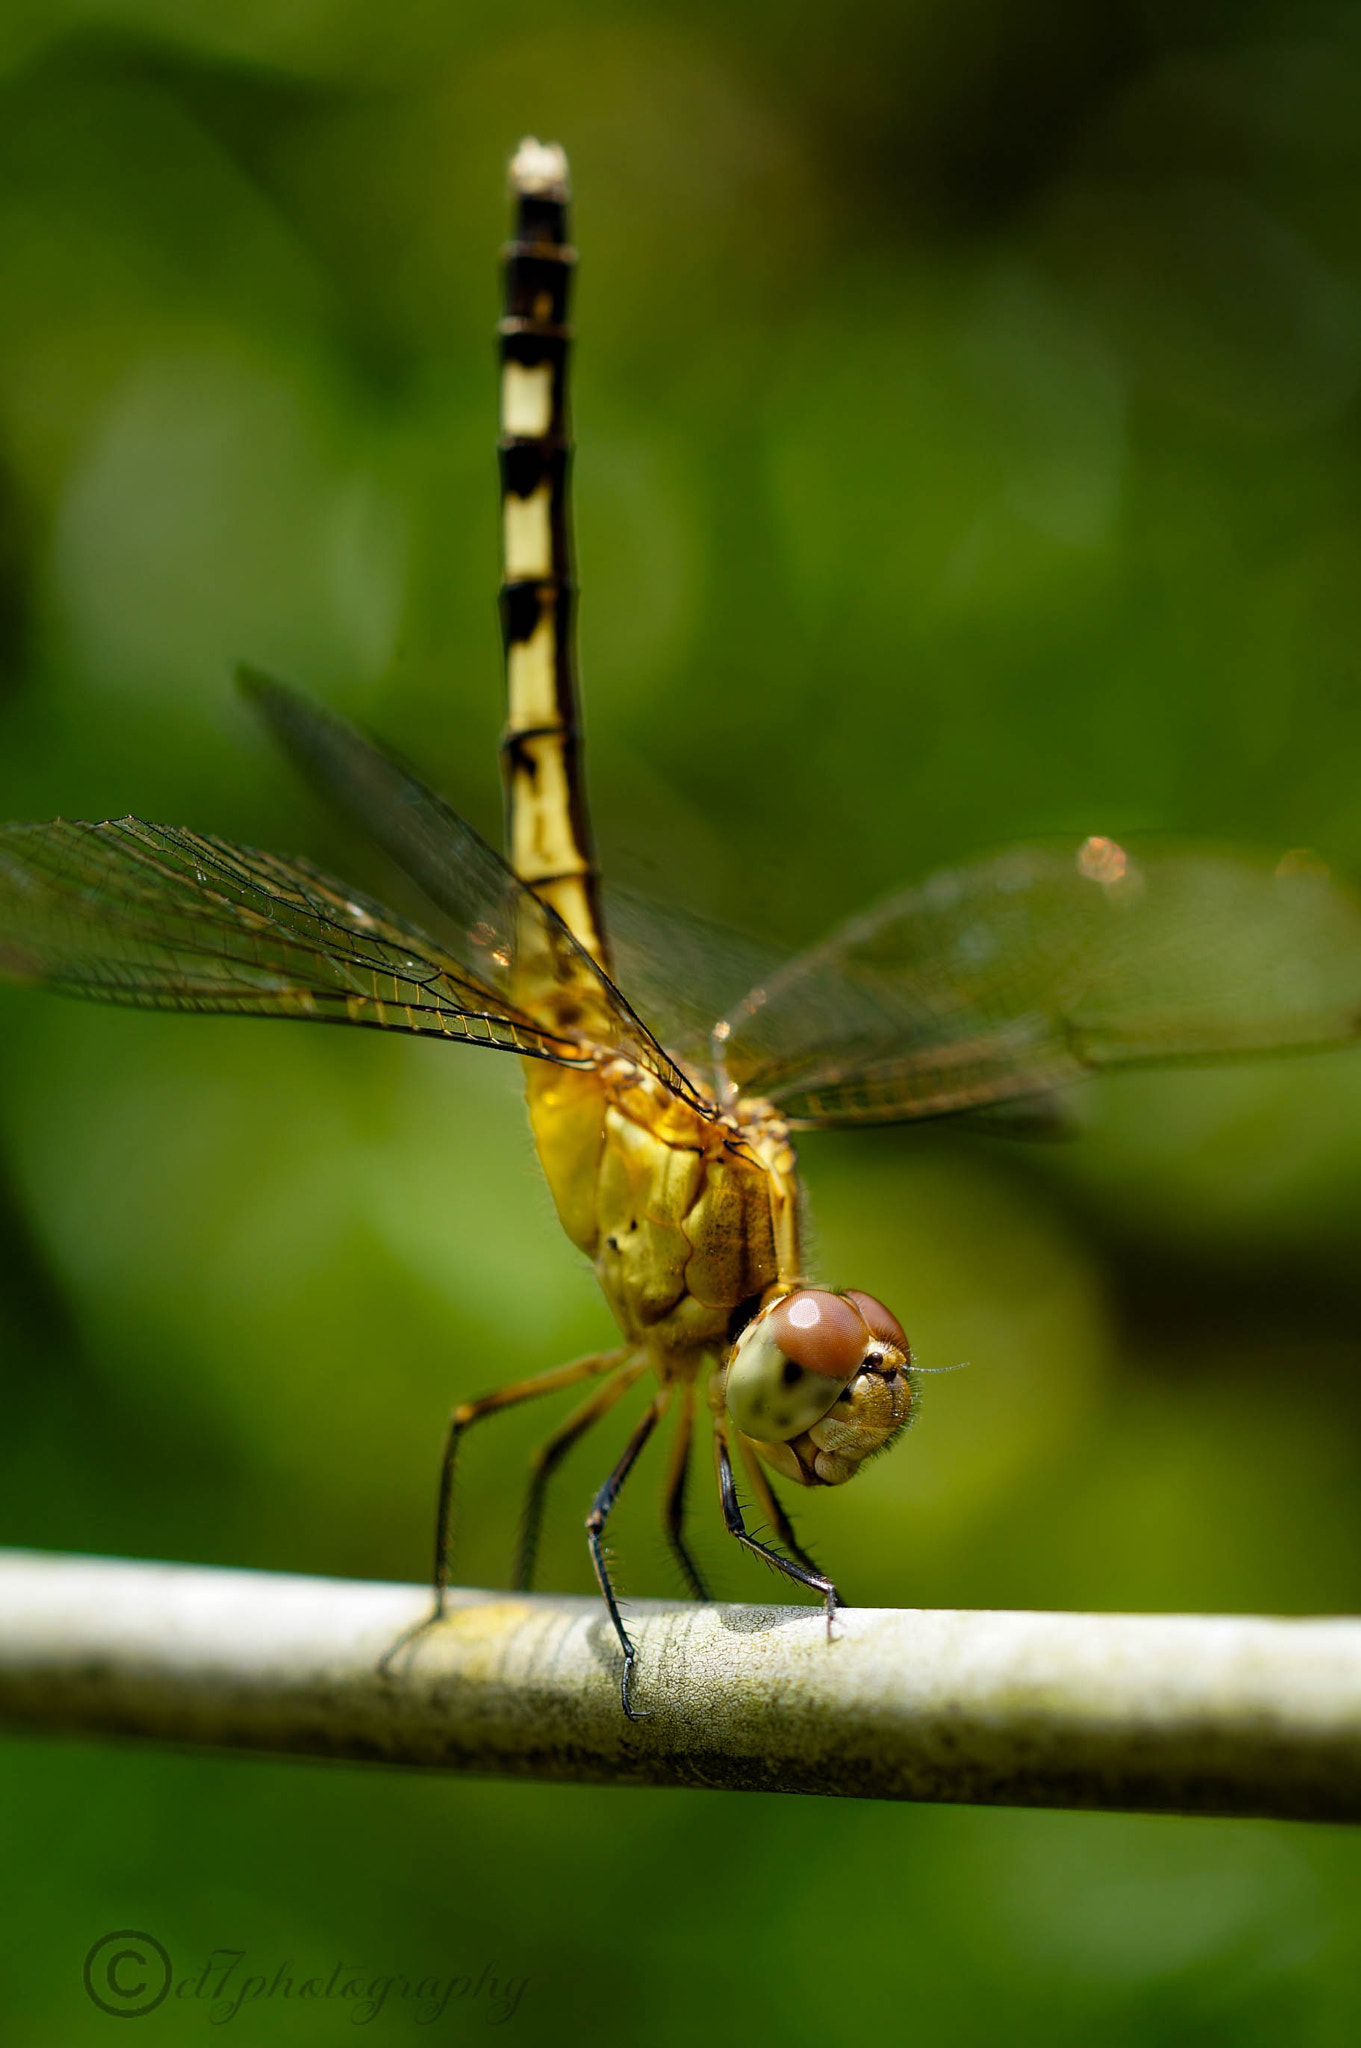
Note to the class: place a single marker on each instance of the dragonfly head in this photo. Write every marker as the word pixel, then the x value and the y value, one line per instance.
pixel 820 1382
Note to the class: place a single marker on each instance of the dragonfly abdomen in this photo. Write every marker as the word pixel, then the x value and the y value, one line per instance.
pixel 547 825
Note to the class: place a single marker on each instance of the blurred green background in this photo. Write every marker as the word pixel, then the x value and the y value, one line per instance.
pixel 970 447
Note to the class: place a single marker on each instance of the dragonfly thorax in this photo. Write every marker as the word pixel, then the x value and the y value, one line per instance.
pixel 684 1214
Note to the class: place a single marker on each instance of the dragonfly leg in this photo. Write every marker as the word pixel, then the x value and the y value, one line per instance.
pixel 771 1504
pixel 595 1532
pixel 805 1575
pixel 673 1500
pixel 463 1418
pixel 550 1455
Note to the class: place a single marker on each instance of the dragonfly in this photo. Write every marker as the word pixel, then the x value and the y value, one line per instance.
pixel 667 1065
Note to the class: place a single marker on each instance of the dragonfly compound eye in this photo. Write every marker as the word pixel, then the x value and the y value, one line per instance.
pixel 882 1322
pixel 790 1365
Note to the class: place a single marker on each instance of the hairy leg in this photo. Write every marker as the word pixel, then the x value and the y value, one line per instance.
pixel 595 1532
pixel 462 1419
pixel 550 1455
pixel 770 1502
pixel 673 1499
pixel 732 1517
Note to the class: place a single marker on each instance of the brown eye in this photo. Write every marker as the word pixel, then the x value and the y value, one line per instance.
pixel 792 1364
pixel 822 1332
pixel 882 1323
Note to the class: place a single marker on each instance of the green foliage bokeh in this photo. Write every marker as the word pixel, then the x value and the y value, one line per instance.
pixel 967 405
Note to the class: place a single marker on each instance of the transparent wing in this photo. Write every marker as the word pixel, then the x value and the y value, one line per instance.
pixel 140 914
pixel 1011 977
pixel 682 971
pixel 490 922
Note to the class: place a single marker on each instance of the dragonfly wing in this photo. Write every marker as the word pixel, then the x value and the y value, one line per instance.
pixel 681 970
pixel 139 914
pixel 1048 1119
pixel 492 923
pixel 1013 976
